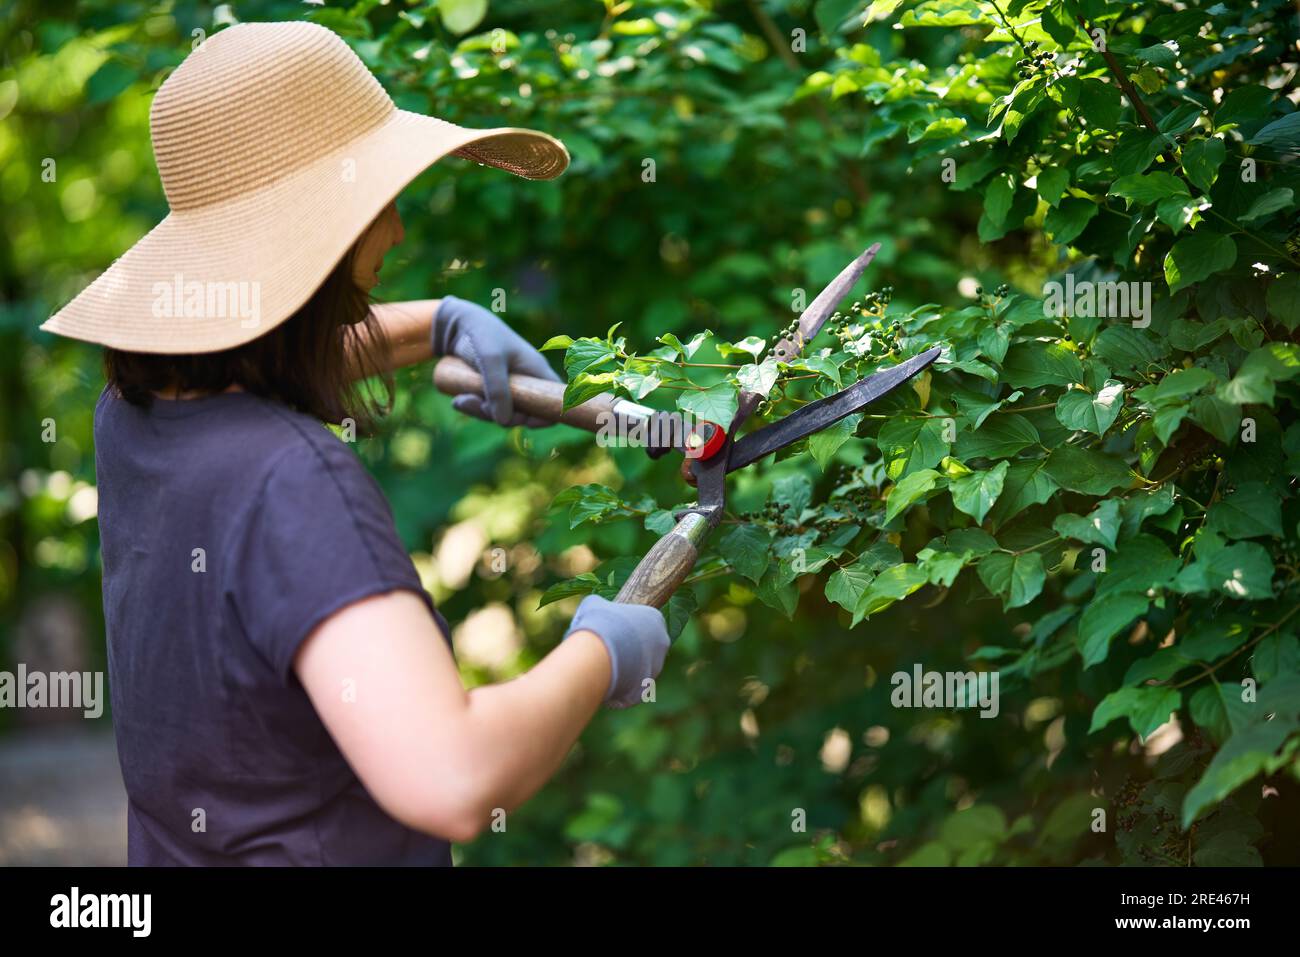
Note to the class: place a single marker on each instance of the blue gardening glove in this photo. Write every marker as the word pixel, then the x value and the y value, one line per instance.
pixel 636 637
pixel 472 333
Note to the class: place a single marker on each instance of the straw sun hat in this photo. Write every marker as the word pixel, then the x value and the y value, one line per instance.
pixel 276 148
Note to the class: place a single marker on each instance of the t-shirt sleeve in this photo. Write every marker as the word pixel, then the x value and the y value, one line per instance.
pixel 318 537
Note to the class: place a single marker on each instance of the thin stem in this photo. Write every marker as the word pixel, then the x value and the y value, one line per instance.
pixel 1209 672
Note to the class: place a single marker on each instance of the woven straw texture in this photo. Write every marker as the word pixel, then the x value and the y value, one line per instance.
pixel 276 148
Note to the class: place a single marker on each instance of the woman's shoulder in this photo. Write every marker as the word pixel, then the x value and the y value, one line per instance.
pixel 231 433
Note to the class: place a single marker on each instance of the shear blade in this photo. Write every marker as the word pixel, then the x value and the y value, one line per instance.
pixel 825 412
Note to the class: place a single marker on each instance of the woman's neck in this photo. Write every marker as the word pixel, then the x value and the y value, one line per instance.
pixel 172 392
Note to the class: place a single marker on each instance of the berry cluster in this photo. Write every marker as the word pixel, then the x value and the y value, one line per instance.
pixel 872 304
pixel 890 336
pixel 859 498
pixel 876 301
pixel 1001 292
pixel 791 331
pixel 1036 62
pixel 770 514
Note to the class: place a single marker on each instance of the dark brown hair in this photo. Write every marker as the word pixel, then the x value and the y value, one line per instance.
pixel 324 360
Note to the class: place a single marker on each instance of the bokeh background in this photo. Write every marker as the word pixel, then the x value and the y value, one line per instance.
pixel 762 183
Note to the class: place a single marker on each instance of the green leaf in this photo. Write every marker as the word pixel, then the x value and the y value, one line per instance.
pixel 1160 54
pixel 586 385
pixel 891 585
pixel 1099 101
pixel 1001 436
pixel 1250 510
pixel 1103 620
pixel 1143 563
pixel 1277 654
pixel 717 403
pixel 911 444
pixel 1243 570
pixel 824 444
pixel 1282 135
pixel 1135 150
pixel 974 827
pixel 1144 504
pixel 1126 349
pixel 1256 380
pixel 1216 416
pixel 1271 202
pixel 588 503
pixel 679 610
pixel 758 378
pixel 1251 750
pixel 1145 708
pixel 848 584
pixel 1026 484
pixel 557 342
pixel 777 592
pixel 1086 471
pixel 745 548
pixel 941 567
pixel 997 198
pixel 1283 300
pixel 112 78
pixel 584 584
pixel 1031 364
pixel 1244 104
pixel 1052 183
pixel 1201 162
pixel 1227 849
pixel 975 494
pixel 1197 256
pixel 945 13
pixel 1100 527
pixel 880 10
pixel 639 386
pixel 1178 212
pixel 908 489
pixel 831 14
pixel 1017 579
pixel 792 493
pixel 462 16
pixel 930 854
pixel 586 355
pixel 660 521
pixel 1219 709
pixel 1091 412
pixel 1067 220
pixel 1183 382
pixel 1146 188
pixel 685 350
pixel 750 345
pixel 1194 335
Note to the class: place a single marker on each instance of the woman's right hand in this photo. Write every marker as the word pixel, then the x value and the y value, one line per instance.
pixel 636 637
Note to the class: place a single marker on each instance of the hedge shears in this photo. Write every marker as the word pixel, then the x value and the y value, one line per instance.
pixel 711 451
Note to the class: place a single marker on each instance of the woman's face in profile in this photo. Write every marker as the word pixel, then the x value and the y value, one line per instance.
pixel 380 236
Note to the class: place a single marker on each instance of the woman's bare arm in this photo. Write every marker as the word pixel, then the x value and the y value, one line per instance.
pixel 408 327
pixel 436 757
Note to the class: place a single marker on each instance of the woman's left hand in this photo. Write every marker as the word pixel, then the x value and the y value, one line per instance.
pixel 470 332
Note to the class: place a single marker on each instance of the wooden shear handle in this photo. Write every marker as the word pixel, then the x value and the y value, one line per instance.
pixel 543 398
pixel 666 565
pixel 664 568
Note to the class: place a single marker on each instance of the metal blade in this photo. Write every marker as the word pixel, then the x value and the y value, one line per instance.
pixel 810 323
pixel 824 412
pixel 814 317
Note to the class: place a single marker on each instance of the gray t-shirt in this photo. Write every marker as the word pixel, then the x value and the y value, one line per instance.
pixel 231 527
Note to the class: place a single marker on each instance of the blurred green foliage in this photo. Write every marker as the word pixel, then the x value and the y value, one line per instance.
pixel 725 156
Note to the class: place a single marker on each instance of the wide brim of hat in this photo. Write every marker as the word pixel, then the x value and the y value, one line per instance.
pixel 280 241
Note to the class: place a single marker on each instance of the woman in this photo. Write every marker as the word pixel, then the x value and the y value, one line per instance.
pixel 283 690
